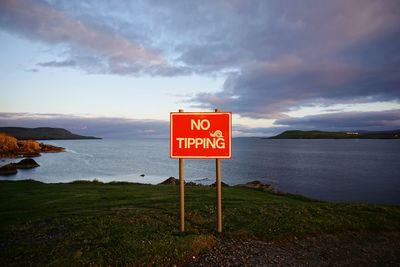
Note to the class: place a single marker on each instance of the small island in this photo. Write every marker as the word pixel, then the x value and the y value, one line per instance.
pixel 297 134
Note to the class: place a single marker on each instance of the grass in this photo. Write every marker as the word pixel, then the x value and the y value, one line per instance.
pixel 91 223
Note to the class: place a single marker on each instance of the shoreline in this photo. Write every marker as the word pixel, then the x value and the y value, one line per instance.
pixel 251 184
pixel 263 187
pixel 327 171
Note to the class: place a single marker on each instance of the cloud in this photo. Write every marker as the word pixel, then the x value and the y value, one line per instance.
pixel 377 120
pixel 246 131
pixel 40 21
pixel 122 128
pixel 65 63
pixel 321 54
pixel 86 125
pixel 277 56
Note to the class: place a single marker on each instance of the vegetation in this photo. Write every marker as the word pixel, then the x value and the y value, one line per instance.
pixel 296 134
pixel 91 223
pixel 42 133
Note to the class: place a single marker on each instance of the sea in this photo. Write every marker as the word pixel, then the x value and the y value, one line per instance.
pixel 339 170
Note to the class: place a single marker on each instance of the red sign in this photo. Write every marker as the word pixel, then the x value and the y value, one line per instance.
pixel 201 135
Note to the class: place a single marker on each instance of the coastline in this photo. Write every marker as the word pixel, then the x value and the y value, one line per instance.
pixel 319 169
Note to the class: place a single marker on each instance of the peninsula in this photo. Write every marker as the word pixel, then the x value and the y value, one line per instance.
pixel 43 133
pixel 296 134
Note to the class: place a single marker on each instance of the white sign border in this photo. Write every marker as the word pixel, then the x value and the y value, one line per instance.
pixel 199 113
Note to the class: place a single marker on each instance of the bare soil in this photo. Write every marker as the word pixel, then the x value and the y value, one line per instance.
pixel 347 249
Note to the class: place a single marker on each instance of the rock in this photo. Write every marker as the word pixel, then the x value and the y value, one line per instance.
pixel 50 148
pixel 8 169
pixel 222 184
pixel 8 145
pixel 31 154
pixel 257 184
pixel 170 181
pixel 254 184
pixel 202 179
pixel 192 184
pixel 26 164
pixel 28 145
pixel 11 147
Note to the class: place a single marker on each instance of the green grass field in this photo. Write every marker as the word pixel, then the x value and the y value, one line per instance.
pixel 85 223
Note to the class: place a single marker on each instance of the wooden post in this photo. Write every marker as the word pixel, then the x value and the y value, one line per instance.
pixel 181 193
pixel 219 193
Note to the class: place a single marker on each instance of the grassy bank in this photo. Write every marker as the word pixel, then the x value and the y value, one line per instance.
pixel 130 224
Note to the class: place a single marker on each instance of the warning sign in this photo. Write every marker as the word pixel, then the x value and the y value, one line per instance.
pixel 201 135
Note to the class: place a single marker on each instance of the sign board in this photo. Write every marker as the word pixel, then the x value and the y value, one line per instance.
pixel 201 135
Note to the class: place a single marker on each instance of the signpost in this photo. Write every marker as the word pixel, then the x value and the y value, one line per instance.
pixel 200 135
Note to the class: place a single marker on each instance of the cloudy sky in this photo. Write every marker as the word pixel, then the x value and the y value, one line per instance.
pixel 117 68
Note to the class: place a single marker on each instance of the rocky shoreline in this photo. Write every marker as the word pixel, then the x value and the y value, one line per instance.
pixel 10 147
pixel 253 184
pixel 12 168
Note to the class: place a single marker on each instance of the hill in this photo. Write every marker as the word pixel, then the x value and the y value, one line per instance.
pixel 296 134
pixel 42 133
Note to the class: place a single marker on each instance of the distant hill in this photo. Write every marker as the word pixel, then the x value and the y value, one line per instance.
pixel 296 134
pixel 42 133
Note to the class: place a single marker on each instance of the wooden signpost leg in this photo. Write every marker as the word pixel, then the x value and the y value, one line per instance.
pixel 181 193
pixel 219 193
pixel 181 196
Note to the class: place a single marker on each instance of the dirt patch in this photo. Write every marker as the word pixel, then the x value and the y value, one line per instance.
pixel 349 249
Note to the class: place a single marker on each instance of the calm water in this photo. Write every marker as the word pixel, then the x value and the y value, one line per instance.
pixel 336 170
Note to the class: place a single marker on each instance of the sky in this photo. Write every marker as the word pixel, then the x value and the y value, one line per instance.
pixel 118 68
